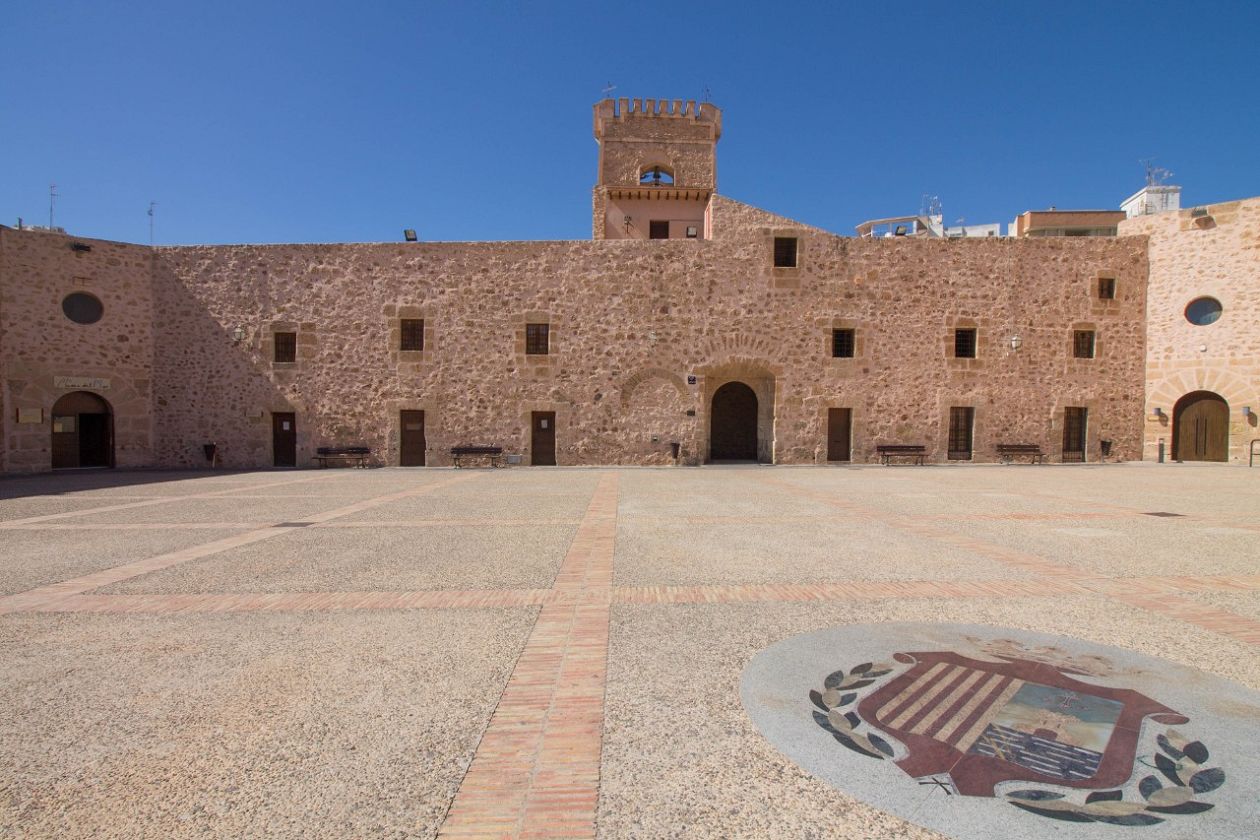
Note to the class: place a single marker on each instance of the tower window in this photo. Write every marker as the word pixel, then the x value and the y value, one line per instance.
pixel 537 339
pixel 1106 288
pixel 412 334
pixel 285 346
pixel 965 343
pixel 785 252
pixel 657 176
pixel 1083 344
pixel 842 344
pixel 658 230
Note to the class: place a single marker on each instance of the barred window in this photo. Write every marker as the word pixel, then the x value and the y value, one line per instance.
pixel 286 346
pixel 785 252
pixel 1106 288
pixel 537 339
pixel 658 229
pixel 965 343
pixel 842 344
pixel 412 334
pixel 1083 344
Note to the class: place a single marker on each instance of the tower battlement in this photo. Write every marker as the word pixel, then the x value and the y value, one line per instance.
pixel 624 109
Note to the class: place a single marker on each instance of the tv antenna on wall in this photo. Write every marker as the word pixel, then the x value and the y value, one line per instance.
pixel 152 204
pixel 608 90
pixel 1155 175
pixel 52 204
pixel 930 206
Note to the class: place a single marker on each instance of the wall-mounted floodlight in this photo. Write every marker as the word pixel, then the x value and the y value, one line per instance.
pixel 1016 342
pixel 238 334
pixel 1246 412
pixel 409 234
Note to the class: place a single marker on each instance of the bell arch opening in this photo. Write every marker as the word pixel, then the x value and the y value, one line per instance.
pixel 82 431
pixel 1201 427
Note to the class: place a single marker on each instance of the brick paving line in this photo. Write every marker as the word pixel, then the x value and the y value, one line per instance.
pixel 49 595
pixel 150 502
pixel 535 772
pixel 192 526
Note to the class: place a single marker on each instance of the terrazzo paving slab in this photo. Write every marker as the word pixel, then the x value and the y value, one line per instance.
pixel 289 726
pixel 34 558
pixel 979 732
pixel 323 559
pixel 218 509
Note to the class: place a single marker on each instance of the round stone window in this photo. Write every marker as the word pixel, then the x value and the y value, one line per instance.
pixel 82 308
pixel 1203 311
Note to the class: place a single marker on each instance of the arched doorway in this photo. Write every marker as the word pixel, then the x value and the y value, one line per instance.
pixel 1201 428
pixel 82 432
pixel 733 424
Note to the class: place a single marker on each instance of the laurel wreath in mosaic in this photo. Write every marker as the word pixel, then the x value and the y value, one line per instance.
pixel 1180 761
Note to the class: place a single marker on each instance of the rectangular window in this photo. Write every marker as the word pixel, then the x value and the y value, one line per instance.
pixel 1106 288
pixel 286 346
pixel 1074 420
pixel 965 343
pixel 537 339
pixel 842 344
pixel 658 230
pixel 962 422
pixel 693 232
pixel 1083 344
pixel 412 334
pixel 785 252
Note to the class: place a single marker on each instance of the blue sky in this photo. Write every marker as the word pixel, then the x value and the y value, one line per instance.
pixel 321 121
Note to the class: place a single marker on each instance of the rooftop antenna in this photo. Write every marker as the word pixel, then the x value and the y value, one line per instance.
pixel 706 95
pixel 608 89
pixel 930 206
pixel 52 203
pixel 152 204
pixel 1155 175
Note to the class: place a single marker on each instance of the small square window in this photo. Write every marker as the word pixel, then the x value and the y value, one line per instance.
pixel 537 339
pixel 693 232
pixel 658 230
pixel 286 346
pixel 785 252
pixel 965 343
pixel 842 344
pixel 1106 288
pixel 412 334
pixel 1083 344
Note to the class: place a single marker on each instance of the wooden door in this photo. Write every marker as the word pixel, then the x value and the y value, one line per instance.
pixel 95 448
pixel 542 443
pixel 1074 425
pixel 839 427
pixel 411 439
pixel 284 438
pixel 1202 428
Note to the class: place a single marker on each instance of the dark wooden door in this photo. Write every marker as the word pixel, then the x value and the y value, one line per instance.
pixel 1074 424
pixel 94 440
pixel 542 442
pixel 733 423
pixel 284 439
pixel 962 422
pixel 1202 428
pixel 411 439
pixel 839 426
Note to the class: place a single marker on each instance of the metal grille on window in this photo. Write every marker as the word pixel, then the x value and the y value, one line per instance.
pixel 1083 344
pixel 537 339
pixel 412 334
pixel 1074 433
pixel 965 344
pixel 961 422
pixel 286 346
pixel 658 230
pixel 1107 288
pixel 785 252
pixel 842 344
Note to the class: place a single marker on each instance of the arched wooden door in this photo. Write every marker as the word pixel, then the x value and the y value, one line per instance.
pixel 1201 428
pixel 82 431
pixel 733 424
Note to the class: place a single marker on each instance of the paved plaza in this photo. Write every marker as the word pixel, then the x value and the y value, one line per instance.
pixel 610 652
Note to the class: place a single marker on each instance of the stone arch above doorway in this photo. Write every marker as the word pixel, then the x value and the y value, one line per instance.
pixel 1201 427
pixel 755 374
pixel 82 431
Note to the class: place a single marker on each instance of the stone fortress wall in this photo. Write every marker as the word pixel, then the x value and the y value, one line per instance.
pixel 643 332
pixel 1209 251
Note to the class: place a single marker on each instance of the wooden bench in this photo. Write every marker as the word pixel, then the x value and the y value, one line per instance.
pixel 356 456
pixel 493 453
pixel 888 451
pixel 1008 451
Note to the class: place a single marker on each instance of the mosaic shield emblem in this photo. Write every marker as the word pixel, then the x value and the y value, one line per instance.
pixel 1065 731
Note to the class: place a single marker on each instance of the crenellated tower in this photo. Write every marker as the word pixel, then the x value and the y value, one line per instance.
pixel 657 168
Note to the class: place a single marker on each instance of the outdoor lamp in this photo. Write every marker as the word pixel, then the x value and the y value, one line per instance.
pixel 1016 342
pixel 1246 412
pixel 238 335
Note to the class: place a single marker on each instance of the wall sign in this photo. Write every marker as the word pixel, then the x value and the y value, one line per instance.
pixel 81 383
pixel 30 415
pixel 691 379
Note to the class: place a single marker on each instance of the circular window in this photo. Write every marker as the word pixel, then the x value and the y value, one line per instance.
pixel 82 308
pixel 1203 311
